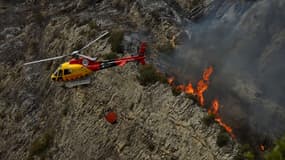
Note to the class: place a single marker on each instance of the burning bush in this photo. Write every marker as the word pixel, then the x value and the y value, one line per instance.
pixel 149 75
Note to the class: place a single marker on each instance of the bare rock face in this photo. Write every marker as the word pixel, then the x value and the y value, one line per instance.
pixel 40 119
pixel 152 123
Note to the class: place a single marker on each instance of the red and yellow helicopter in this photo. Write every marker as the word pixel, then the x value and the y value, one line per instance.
pixel 76 71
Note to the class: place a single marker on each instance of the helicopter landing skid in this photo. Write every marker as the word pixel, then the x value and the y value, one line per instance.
pixel 79 82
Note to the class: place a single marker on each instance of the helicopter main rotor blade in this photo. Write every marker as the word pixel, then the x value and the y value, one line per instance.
pixel 88 45
pixel 71 54
pixel 44 60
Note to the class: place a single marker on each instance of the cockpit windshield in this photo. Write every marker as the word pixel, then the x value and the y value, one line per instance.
pixel 58 72
pixel 55 72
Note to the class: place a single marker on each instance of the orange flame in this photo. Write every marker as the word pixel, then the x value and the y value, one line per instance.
pixel 207 73
pixel 215 107
pixel 203 84
pixel 262 147
pixel 214 110
pixel 201 87
pixel 170 80
pixel 189 89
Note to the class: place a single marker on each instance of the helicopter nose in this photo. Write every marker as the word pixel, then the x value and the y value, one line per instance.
pixel 53 77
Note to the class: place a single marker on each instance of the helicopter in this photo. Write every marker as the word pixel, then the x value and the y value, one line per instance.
pixel 77 70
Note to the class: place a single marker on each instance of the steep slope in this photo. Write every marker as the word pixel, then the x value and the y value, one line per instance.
pixel 38 118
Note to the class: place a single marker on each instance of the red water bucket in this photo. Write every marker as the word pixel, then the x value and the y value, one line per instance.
pixel 111 117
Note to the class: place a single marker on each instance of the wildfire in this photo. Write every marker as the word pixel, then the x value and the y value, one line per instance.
pixel 215 107
pixel 201 87
pixel 207 73
pixel 203 84
pixel 214 110
pixel 189 89
pixel 262 147
pixel 170 80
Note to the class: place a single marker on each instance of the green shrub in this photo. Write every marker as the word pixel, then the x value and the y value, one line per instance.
pixel 121 4
pixel 110 56
pixel 238 156
pixel 245 152
pixel 65 110
pixel 93 25
pixel 222 139
pixel 116 39
pixel 18 116
pixel 248 155
pixel 245 148
pixel 37 17
pixel 208 119
pixel 42 143
pixel 149 75
pixel 78 45
pixel 32 47
pixel 162 78
pixel 278 152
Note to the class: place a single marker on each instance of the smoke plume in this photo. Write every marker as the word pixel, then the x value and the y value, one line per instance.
pixel 245 42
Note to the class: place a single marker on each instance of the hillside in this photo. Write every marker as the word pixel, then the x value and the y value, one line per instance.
pixel 41 120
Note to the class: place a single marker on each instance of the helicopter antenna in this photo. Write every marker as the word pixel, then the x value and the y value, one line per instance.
pixel 74 53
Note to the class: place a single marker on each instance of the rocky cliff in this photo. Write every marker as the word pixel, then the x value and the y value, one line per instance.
pixel 41 120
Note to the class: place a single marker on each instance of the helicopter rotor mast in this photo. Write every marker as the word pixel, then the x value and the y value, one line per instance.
pixel 74 53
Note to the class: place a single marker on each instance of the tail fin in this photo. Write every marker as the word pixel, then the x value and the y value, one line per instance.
pixel 142 52
pixel 142 49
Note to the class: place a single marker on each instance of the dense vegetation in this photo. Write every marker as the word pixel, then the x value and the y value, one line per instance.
pixel 278 152
pixel 149 75
pixel 116 39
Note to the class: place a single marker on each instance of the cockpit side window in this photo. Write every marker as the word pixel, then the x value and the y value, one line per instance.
pixel 66 71
pixel 56 73
pixel 60 73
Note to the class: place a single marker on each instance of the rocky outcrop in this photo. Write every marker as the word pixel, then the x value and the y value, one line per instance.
pixel 41 119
